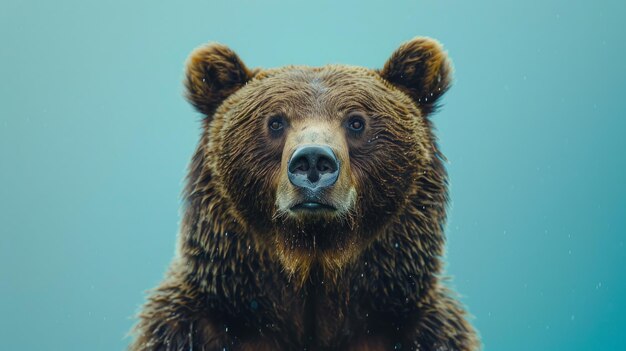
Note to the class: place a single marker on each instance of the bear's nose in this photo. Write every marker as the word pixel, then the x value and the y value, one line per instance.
pixel 313 166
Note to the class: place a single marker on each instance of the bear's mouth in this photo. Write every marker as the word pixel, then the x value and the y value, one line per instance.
pixel 312 206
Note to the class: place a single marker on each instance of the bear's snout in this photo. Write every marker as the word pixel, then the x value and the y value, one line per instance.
pixel 313 167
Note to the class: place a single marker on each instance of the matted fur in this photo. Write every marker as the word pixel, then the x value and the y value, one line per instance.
pixel 246 279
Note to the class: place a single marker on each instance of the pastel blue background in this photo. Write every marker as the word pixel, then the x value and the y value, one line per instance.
pixel 95 138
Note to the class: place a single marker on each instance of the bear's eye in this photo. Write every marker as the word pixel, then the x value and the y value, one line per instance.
pixel 356 123
pixel 276 124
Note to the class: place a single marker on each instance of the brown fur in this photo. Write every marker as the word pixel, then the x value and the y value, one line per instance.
pixel 251 275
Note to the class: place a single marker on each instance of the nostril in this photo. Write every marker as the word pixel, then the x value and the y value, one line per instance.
pixel 325 165
pixel 301 165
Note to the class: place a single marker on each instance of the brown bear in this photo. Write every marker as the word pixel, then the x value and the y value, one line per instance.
pixel 313 211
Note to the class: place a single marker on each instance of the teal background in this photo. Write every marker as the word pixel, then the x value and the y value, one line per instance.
pixel 95 138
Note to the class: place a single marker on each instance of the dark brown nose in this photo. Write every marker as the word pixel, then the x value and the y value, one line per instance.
pixel 313 166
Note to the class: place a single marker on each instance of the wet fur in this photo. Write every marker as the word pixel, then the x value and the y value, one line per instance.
pixel 228 286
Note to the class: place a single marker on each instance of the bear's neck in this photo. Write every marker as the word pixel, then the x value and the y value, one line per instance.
pixel 238 277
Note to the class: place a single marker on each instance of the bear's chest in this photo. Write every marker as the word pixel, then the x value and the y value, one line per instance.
pixel 309 319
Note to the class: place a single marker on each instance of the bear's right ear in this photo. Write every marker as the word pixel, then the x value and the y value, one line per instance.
pixel 213 73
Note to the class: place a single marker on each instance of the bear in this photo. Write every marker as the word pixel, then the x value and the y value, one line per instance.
pixel 313 211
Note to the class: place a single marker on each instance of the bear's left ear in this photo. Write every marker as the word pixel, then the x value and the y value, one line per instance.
pixel 422 70
pixel 214 72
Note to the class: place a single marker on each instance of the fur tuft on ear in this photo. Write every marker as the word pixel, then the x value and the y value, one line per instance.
pixel 422 70
pixel 213 73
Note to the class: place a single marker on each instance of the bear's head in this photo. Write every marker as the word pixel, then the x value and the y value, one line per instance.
pixel 316 162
